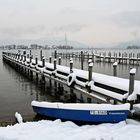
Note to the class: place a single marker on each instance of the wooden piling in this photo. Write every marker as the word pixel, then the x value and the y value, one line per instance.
pixel 43 62
pixel 36 62
pixel 41 54
pixel 82 60
pixel 131 80
pixel 131 85
pixel 50 59
pixel 55 54
pixel 93 57
pixel 54 64
pixel 59 61
pixel 30 52
pixel 71 66
pixel 115 69
pixel 90 71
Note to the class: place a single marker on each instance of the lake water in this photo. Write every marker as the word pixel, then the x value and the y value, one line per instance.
pixel 17 91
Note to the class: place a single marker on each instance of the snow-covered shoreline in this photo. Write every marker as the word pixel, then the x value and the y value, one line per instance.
pixel 57 130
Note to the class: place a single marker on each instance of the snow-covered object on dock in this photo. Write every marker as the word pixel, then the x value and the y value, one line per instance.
pixel 82 111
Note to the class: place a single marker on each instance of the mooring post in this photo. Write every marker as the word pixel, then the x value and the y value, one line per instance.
pixel 82 59
pixel 43 65
pixel 122 57
pixel 24 58
pixel 59 61
pixel 30 52
pixel 55 54
pixel 36 62
pixel 131 80
pixel 30 58
pixel 115 69
pixel 71 65
pixel 21 57
pixel 41 54
pixel 137 59
pixel 129 58
pixel 92 57
pixel 27 55
pixel 31 72
pixel 89 76
pixel 43 61
pixel 50 59
pixel 54 64
pixel 90 71
pixel 131 84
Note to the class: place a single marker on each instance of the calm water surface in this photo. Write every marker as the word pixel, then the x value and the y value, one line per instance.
pixel 17 91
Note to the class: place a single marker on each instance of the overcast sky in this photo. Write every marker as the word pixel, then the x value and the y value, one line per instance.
pixel 92 22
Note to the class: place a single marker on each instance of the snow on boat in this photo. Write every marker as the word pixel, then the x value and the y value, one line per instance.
pixel 82 111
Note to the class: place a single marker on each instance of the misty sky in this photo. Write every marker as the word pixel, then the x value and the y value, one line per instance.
pixel 92 22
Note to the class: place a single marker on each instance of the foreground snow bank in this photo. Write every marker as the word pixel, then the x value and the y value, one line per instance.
pixel 57 130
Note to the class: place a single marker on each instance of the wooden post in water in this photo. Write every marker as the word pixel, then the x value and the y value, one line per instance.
pixel 82 59
pixel 89 75
pixel 72 95
pixel 92 57
pixel 36 62
pixel 50 59
pixel 30 52
pixel 133 58
pixel 119 57
pixel 55 54
pixel 41 54
pixel 115 69
pixel 122 57
pixel 131 84
pixel 43 65
pixel 24 58
pixel 131 80
pixel 54 64
pixel 71 65
pixel 27 55
pixel 137 59
pixel 31 72
pixel 59 61
pixel 129 58
pixel 43 61
pixel 30 58
pixel 90 71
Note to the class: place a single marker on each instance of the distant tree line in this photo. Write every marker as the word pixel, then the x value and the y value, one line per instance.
pixel 35 46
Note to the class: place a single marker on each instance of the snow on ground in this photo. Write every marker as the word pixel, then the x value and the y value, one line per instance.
pixel 57 130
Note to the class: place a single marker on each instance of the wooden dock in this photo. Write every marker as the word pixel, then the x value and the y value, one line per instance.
pixel 107 89
pixel 121 58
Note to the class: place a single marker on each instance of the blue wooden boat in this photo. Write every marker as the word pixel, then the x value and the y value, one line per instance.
pixel 82 111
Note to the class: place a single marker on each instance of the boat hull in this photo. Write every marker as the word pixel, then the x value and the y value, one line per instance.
pixel 108 116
